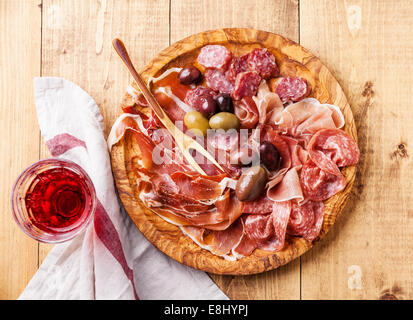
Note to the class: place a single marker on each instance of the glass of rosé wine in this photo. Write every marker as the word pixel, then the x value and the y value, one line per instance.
pixel 53 200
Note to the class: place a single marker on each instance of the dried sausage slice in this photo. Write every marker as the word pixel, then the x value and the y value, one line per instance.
pixel 238 65
pixel 215 56
pixel 193 94
pixel 330 149
pixel 263 62
pixel 217 81
pixel 319 185
pixel 246 85
pixel 291 89
pixel 306 220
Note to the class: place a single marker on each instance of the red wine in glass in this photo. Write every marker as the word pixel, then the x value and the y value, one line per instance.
pixel 53 200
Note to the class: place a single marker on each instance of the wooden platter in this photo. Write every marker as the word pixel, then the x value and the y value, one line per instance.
pixel 293 60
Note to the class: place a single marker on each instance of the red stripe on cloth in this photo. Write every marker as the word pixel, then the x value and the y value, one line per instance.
pixel 107 233
pixel 61 143
pixel 104 227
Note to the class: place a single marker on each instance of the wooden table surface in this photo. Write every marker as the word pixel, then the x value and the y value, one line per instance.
pixel 367 44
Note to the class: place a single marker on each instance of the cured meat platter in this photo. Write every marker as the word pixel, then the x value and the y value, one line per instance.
pixel 293 61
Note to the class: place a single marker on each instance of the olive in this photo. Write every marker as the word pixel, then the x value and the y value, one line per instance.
pixel 270 156
pixel 224 120
pixel 206 105
pixel 196 122
pixel 243 157
pixel 251 184
pixel 224 103
pixel 189 75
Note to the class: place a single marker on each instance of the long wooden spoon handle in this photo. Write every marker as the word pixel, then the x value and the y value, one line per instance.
pixel 123 54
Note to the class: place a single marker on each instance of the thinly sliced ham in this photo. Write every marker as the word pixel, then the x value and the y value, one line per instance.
pixel 268 104
pixel 125 122
pixel 308 116
pixel 288 189
pixel 220 242
pixel 247 112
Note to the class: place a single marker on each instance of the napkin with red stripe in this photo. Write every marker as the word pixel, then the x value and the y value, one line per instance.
pixel 111 259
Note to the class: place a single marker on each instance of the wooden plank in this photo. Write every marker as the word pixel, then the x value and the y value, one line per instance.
pixel 19 63
pixel 189 17
pixel 368 47
pixel 77 45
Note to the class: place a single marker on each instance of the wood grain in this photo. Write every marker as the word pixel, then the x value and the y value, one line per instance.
pixel 292 59
pixel 19 145
pixel 368 46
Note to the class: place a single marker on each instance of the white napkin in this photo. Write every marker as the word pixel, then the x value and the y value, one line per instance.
pixel 111 259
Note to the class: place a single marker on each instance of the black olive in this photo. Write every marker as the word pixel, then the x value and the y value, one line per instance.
pixel 206 105
pixel 189 75
pixel 270 156
pixel 224 103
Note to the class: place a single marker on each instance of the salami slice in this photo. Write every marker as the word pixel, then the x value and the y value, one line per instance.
pixel 319 185
pixel 262 205
pixel 291 89
pixel 330 149
pixel 306 220
pixel 238 65
pixel 193 94
pixel 217 81
pixel 263 62
pixel 268 231
pixel 246 85
pixel 215 56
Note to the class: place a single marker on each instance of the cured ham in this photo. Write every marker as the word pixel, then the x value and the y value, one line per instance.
pixel 247 112
pixel 220 243
pixel 268 103
pixel 308 116
pixel 303 137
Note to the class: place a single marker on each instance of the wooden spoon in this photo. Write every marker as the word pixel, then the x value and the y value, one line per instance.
pixel 184 142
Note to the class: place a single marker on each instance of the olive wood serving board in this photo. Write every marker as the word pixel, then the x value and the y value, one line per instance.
pixel 293 60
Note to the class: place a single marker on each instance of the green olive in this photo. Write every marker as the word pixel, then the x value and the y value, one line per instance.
pixel 196 122
pixel 224 120
pixel 251 184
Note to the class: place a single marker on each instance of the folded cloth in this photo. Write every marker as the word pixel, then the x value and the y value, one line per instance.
pixel 110 259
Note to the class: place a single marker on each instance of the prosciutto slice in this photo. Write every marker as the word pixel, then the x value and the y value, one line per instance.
pixel 308 116
pixel 268 104
pixel 288 189
pixel 247 112
pixel 219 243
